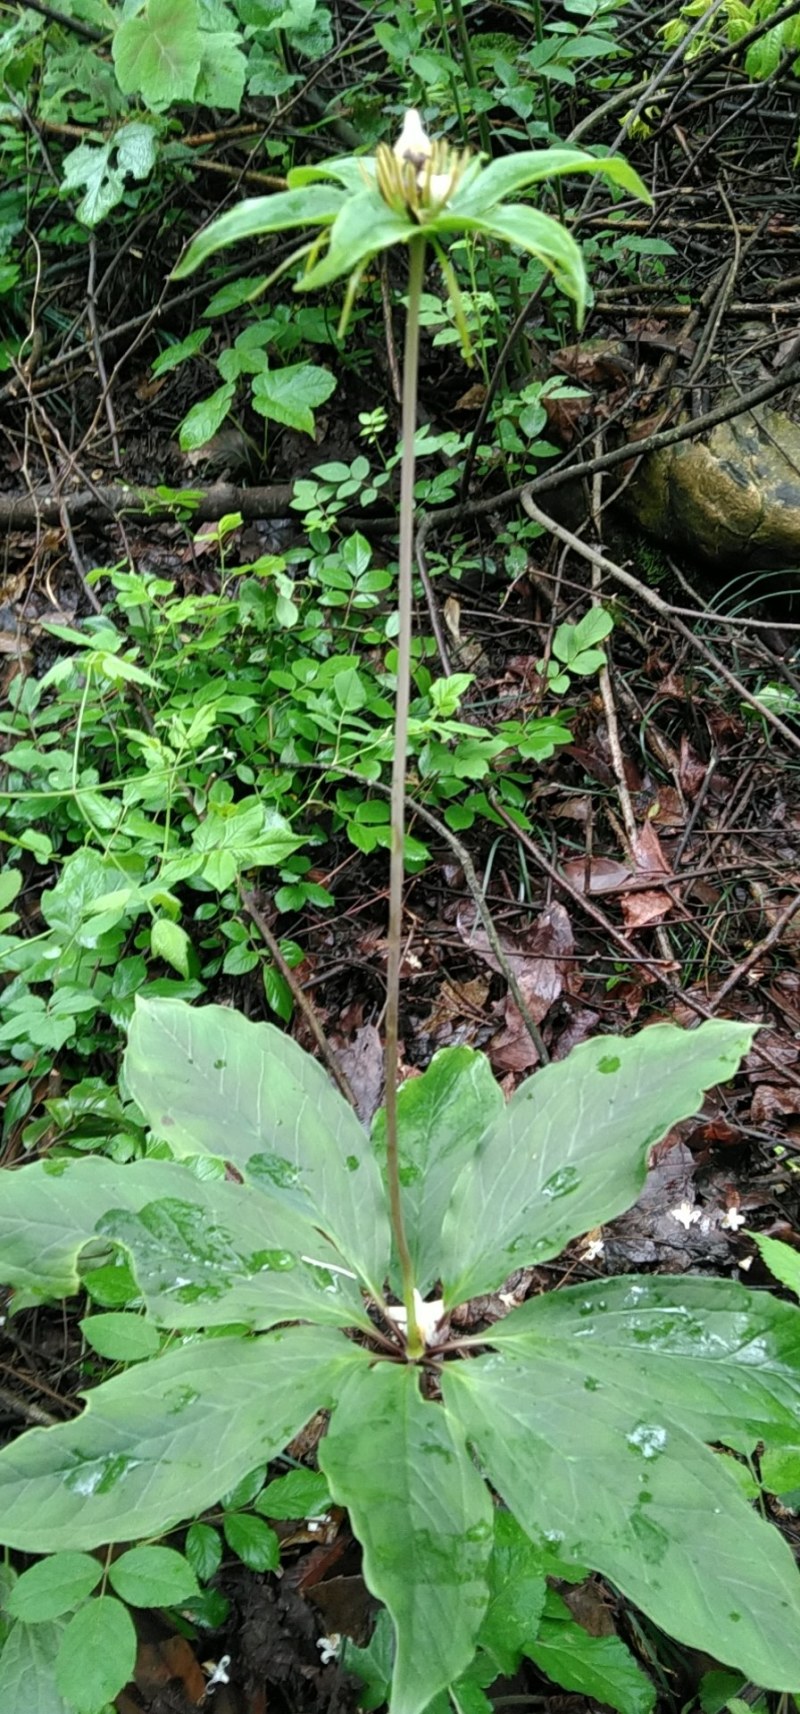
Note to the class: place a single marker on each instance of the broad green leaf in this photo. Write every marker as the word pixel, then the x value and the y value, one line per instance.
pixel 511 173
pixel 27 1670
pixel 121 1338
pixel 204 1252
pixel 204 418
pixel 592 628
pixel 348 170
pixel 780 1470
pixel 517 1590
pixel 223 69
pixel 600 1668
pixel 291 395
pixel 783 1262
pixel 97 1654
pixel 53 1586
pixel 424 1518
pixel 619 1485
pixel 539 234
pixel 373 1664
pixel 724 1360
pixel 136 145
pixel 153 1577
pixel 318 205
pixel 252 1541
pixel 247 835
pixel 301 1494
pixel 212 1082
pixel 157 53
pixel 364 226
pixel 570 1150
pixel 203 1549
pixel 158 1444
pixel 90 166
pixel 10 883
pixel 171 942
pixel 441 1118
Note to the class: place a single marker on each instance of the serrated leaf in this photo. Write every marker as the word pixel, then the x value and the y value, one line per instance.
pixel 301 1494
pixel 619 1485
pixel 600 1668
pixel 157 53
pixel 121 1338
pixel 783 1262
pixel 441 1117
pixel 223 68
pixel 203 1550
pixel 153 1577
pixel 291 395
pixel 373 1664
pixel 570 1150
pixel 97 1654
pixel 171 942
pixel 517 1590
pixel 136 146
pixel 204 418
pixel 424 1518
pixel 136 1463
pixel 212 1082
pixel 252 1541
pixel 53 1586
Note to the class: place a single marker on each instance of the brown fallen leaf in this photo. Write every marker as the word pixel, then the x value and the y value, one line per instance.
pixel 541 963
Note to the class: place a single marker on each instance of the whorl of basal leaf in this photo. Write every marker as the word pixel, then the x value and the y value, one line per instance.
pixel 211 1082
pixel 570 1149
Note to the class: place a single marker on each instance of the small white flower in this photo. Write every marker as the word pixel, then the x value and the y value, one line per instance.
pixel 219 1673
pixel 593 1250
pixel 329 1648
pixel 413 143
pixel 427 1316
pixel 733 1219
pixel 686 1214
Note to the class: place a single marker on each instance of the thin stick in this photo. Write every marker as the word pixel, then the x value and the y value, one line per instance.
pixel 416 276
pixel 249 905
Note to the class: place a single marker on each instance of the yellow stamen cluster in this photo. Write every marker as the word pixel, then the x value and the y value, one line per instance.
pixel 417 176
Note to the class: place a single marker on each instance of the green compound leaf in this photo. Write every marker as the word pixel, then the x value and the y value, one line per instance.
pixel 211 1082
pixel 137 1462
pixel 424 1518
pixel 723 1360
pixel 441 1118
pixel 97 1655
pixel 153 1577
pixel 291 395
pixel 570 1150
pixel 53 1587
pixel 617 1484
pixel 205 1252
pixel 157 54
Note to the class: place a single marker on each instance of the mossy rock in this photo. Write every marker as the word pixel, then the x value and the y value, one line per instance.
pixel 732 498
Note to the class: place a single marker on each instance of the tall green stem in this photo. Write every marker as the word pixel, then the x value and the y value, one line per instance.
pixel 416 275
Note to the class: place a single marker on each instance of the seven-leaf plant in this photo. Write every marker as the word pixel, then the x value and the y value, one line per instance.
pixel 590 1413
